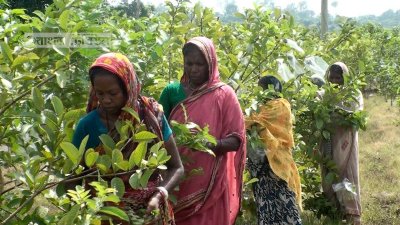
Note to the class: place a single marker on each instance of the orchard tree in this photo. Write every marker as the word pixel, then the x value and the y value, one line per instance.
pixel 43 93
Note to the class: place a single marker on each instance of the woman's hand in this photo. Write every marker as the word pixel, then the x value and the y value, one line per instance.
pixel 225 145
pixel 154 202
pixel 157 199
pixel 211 145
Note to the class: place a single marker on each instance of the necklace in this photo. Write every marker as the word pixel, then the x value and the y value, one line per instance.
pixel 103 114
pixel 108 126
pixel 191 88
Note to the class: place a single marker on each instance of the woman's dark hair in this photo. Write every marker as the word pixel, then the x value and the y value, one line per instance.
pixel 336 69
pixel 188 48
pixel 270 80
pixel 98 70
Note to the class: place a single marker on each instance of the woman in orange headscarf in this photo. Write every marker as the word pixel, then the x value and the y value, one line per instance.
pixel 114 86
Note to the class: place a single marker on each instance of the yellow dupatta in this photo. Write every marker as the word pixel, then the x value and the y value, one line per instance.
pixel 275 117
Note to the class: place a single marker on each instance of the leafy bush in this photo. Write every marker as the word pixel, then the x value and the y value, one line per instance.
pixel 43 92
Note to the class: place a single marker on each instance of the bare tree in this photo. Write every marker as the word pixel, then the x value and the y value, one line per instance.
pixel 324 17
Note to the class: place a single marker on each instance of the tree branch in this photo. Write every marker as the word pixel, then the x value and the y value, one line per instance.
pixel 8 105
pixel 262 61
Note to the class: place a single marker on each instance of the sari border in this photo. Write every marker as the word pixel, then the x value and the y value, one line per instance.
pixel 196 96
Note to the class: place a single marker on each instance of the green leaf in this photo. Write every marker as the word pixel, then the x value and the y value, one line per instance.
pixel 277 13
pixel 51 123
pixel 74 115
pixel 132 112
pixel 117 157
pixel 134 180
pixel 71 151
pixel 108 143
pixel 62 78
pixel 144 136
pixel 35 166
pixel 156 147
pixel 29 178
pixel 13 203
pixel 57 105
pixel 7 53
pixel 319 123
pixel 251 181
pixel 24 58
pixel 326 134
pixel 61 51
pixel 70 216
pixel 64 18
pixel 59 64
pixel 41 181
pixel 153 162
pixel 136 157
pixel 103 168
pixel 91 157
pixel 361 66
pixel 144 179
pixel 78 26
pixel 39 14
pixel 111 198
pixel 114 211
pixel 18 11
pixel 37 98
pixel 47 154
pixel 82 147
pixel 5 68
pixel 104 162
pixel 3 99
pixel 68 166
pixel 197 9
pixel 119 185
pixel 123 165
pixel 27 207
pixel 92 206
pixel 163 156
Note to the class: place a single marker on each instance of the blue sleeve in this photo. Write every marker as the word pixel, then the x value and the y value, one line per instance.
pixel 166 130
pixel 79 134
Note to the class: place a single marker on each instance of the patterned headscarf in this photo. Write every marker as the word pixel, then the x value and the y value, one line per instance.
pixel 119 65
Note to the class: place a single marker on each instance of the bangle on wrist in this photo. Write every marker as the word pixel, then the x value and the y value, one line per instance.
pixel 163 191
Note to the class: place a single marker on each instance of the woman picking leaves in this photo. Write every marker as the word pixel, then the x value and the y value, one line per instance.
pixel 342 147
pixel 278 190
pixel 115 86
pixel 213 196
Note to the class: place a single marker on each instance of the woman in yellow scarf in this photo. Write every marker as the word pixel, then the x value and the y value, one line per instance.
pixel 277 191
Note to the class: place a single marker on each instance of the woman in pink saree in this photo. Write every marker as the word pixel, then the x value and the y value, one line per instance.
pixel 213 197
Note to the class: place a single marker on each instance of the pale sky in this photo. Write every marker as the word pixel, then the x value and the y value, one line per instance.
pixel 349 8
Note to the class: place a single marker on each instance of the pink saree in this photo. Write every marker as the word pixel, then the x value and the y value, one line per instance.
pixel 213 196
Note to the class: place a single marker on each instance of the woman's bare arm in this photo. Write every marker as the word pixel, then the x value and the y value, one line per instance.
pixel 229 144
pixel 172 176
pixel 175 168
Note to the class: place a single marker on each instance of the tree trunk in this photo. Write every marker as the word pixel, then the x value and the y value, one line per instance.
pixel 324 18
pixel 1 181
